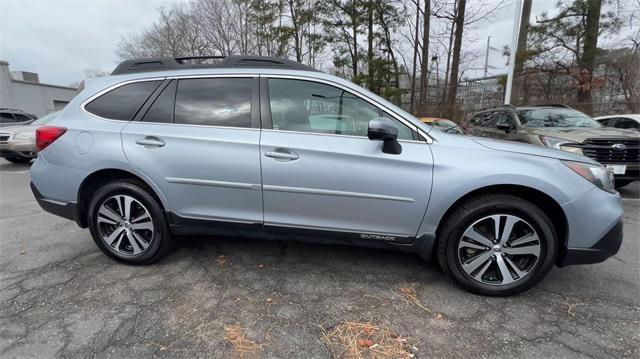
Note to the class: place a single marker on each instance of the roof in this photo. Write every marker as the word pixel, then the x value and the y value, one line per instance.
pixel 635 116
pixel 200 62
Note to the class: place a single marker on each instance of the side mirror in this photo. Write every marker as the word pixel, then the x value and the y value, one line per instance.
pixel 382 129
pixel 505 128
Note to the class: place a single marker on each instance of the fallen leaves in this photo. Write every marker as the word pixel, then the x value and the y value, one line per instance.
pixel 222 261
pixel 410 296
pixel 365 340
pixel 242 346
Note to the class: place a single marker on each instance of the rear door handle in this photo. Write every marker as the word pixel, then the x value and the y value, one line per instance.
pixel 282 155
pixel 150 141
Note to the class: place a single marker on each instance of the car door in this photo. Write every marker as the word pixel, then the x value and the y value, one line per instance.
pixel 202 149
pixel 320 171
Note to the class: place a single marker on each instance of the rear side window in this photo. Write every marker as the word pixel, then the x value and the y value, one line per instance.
pixel 22 118
pixel 162 108
pixel 214 102
pixel 123 102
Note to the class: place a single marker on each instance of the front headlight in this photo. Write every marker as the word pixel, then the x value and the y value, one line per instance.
pixel 598 175
pixel 24 136
pixel 560 144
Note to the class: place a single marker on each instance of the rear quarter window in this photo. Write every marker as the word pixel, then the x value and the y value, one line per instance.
pixel 122 103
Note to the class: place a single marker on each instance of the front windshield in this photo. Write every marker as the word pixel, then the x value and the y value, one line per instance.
pixel 555 117
pixel 46 119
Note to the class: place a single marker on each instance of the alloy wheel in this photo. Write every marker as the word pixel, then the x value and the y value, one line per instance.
pixel 499 249
pixel 125 225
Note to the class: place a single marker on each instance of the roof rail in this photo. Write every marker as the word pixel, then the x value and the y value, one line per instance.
pixel 498 106
pixel 553 105
pixel 197 62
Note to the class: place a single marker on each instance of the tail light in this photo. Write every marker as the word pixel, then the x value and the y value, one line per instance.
pixel 45 135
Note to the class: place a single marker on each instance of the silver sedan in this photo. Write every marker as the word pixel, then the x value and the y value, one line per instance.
pixel 18 143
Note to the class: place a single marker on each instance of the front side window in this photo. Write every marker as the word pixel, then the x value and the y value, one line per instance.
pixel 306 106
pixel 122 103
pixel 214 102
pixel 504 119
pixel 489 119
pixel 6 117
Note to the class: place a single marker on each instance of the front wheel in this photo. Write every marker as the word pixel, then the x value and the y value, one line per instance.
pixel 127 223
pixel 497 245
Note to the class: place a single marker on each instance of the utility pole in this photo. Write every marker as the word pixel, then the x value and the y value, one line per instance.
pixel 486 57
pixel 514 46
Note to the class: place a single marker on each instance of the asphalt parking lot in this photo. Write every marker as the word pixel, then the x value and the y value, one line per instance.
pixel 61 297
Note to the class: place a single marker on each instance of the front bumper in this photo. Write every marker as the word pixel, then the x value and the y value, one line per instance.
pixel 606 247
pixel 13 148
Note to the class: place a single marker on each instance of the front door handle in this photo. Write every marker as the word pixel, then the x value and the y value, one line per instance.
pixel 150 141
pixel 282 155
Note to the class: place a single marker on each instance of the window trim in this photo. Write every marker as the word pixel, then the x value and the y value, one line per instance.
pixel 259 95
pixel 267 124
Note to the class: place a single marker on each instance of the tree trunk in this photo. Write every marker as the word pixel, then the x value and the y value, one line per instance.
pixel 354 60
pixel 587 60
pixel 443 102
pixel 424 66
pixel 415 58
pixel 455 61
pixel 370 47
pixel 521 55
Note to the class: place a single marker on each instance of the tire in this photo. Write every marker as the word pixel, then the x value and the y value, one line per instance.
pixel 18 159
pixel 621 183
pixel 139 240
pixel 512 273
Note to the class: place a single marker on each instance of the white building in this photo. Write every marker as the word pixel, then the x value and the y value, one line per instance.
pixel 24 91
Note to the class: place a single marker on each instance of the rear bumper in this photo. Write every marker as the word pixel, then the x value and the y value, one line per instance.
pixel 67 210
pixel 604 248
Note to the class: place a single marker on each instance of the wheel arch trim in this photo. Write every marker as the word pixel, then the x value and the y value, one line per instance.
pixel 121 171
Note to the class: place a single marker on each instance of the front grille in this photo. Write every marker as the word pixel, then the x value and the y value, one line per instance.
pixel 4 137
pixel 604 150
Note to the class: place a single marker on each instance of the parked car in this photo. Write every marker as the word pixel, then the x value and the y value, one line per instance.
pixel 18 143
pixel 164 148
pixel 565 129
pixel 630 122
pixel 13 117
pixel 442 124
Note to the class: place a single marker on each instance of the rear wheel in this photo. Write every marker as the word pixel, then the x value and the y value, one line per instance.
pixel 497 245
pixel 128 224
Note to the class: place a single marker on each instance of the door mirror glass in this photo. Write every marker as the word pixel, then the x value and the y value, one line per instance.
pixel 383 129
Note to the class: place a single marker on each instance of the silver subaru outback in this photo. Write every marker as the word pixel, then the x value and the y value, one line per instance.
pixel 269 148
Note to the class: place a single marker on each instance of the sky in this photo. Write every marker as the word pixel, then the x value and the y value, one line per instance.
pixel 60 40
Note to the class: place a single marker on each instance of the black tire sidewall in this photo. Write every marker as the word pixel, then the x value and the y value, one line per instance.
pixel 160 232
pixel 509 205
